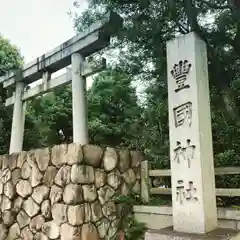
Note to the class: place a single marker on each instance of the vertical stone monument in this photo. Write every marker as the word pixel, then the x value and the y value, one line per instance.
pixel 191 152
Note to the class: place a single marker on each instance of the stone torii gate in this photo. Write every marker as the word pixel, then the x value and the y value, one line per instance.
pixel 71 52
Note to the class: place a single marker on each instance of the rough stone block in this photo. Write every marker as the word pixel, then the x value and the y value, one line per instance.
pixel 89 232
pixel 49 176
pixel 124 160
pixel 74 154
pixel 59 213
pixel 63 176
pixel 69 232
pixel 110 159
pixel 51 229
pixel 82 174
pixel 100 178
pixel 76 215
pixel 30 207
pixel 92 155
pixel 59 155
pixel 42 158
pixel 89 193
pixel 73 194
pixel 24 188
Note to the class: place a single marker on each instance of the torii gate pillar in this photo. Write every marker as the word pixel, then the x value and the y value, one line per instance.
pixel 79 102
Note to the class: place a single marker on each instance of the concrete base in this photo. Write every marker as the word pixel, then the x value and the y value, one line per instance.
pixel 169 234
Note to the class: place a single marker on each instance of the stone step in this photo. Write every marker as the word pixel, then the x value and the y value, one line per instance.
pixel 169 234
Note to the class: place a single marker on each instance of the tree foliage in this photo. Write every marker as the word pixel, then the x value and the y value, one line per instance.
pixel 112 110
pixel 148 25
pixel 10 58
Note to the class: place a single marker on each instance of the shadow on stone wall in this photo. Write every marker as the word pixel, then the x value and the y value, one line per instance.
pixel 65 192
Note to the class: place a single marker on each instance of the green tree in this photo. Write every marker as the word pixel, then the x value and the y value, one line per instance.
pixel 112 110
pixel 10 59
pixel 141 42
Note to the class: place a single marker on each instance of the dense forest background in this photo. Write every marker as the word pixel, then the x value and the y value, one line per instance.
pixel 123 115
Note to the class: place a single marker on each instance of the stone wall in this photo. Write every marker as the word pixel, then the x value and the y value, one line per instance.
pixel 65 192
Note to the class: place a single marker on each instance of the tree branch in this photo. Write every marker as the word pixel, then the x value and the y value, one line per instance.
pixel 215 6
pixel 191 12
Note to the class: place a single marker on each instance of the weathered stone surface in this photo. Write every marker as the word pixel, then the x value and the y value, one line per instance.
pixel 103 228
pixel 23 219
pixel 110 159
pixel 46 209
pixel 3 231
pixel 89 193
pixel 124 160
pixel 124 189
pixel 129 177
pixel 40 236
pixel 88 212
pixel 69 232
pixel 114 179
pixel 137 187
pixel 42 158
pixel 136 158
pixel 8 217
pixel 49 176
pixel 24 188
pixel 105 194
pixel 74 154
pixel 96 211
pixel 76 215
pixel 12 158
pixel 59 213
pixel 92 155
pixel 59 155
pixel 36 176
pixel 137 172
pixel 25 170
pixel 100 178
pixel 6 175
pixel 30 207
pixel 1 188
pixel 18 204
pixel 26 234
pixel 56 194
pixel 21 159
pixel 6 203
pixel 9 190
pixel 5 161
pixel 51 230
pixel 73 194
pixel 40 193
pixel 113 229
pixel 16 176
pixel 109 210
pixel 14 231
pixel 36 223
pixel 63 176
pixel 82 174
pixel 89 232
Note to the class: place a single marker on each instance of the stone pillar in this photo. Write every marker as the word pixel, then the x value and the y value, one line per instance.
pixel 18 120
pixel 79 103
pixel 191 153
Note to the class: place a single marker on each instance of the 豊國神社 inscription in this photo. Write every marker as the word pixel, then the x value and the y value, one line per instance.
pixel 185 152
pixel 183 114
pixel 179 73
pixel 188 194
pixel 191 153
